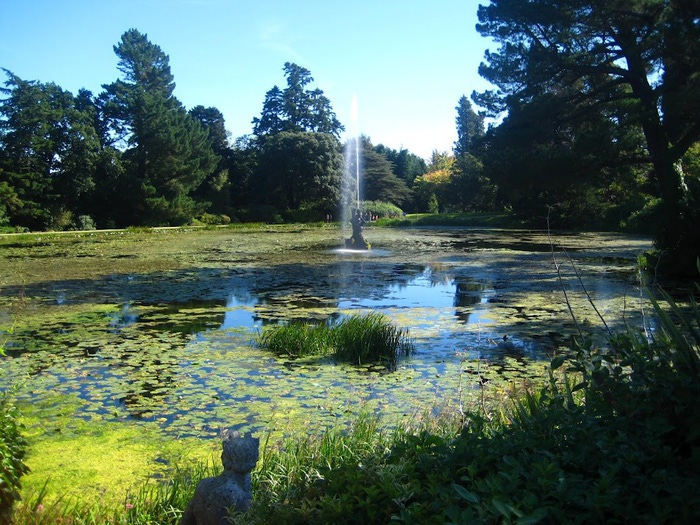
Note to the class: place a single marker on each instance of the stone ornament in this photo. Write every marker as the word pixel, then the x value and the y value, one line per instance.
pixel 213 497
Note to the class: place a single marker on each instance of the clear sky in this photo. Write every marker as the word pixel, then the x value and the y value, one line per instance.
pixel 407 62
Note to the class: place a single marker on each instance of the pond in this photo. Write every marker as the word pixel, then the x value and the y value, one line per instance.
pixel 159 326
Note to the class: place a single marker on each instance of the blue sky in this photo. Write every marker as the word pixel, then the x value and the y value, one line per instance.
pixel 407 62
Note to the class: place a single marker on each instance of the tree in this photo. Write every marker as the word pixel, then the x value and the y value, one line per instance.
pixel 380 182
pixel 300 170
pixel 432 189
pixel 405 165
pixel 470 128
pixel 470 190
pixel 637 61
pixel 48 151
pixel 583 168
pixel 216 188
pixel 295 108
pixel 214 123
pixel 168 153
pixel 243 166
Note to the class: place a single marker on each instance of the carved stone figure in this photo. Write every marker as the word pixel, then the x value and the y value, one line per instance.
pixel 214 496
pixel 357 241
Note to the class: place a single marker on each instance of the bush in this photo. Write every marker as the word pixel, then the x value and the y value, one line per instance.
pixel 85 222
pixel 263 213
pixel 212 219
pixel 304 215
pixel 382 209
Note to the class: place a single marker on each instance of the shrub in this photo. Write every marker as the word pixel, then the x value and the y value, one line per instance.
pixel 85 222
pixel 264 213
pixel 613 438
pixel 382 209
pixel 214 219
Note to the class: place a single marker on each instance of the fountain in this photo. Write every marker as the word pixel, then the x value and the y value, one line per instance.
pixel 350 197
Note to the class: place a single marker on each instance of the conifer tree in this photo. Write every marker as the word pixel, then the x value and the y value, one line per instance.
pixel 168 153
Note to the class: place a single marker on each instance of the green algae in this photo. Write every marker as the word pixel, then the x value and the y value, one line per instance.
pixel 78 460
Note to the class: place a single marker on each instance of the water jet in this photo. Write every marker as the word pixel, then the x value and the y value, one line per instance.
pixel 351 201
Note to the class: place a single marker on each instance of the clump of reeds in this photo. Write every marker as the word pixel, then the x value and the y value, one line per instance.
pixel 297 339
pixel 358 339
pixel 370 338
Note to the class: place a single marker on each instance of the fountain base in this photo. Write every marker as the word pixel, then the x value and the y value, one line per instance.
pixel 357 242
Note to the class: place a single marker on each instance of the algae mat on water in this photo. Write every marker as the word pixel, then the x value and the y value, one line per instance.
pixel 154 330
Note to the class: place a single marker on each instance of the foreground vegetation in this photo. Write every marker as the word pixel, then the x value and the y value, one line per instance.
pixel 611 435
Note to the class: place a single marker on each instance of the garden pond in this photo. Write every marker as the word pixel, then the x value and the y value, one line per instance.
pixel 158 327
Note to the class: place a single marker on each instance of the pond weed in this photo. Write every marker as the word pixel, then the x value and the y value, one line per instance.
pixel 297 340
pixel 371 338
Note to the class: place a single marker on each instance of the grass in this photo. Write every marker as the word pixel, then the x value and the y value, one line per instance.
pixel 612 436
pixel 297 340
pixel 370 338
pixel 358 339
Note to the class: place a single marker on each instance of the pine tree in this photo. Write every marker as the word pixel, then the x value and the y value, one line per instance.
pixel 168 152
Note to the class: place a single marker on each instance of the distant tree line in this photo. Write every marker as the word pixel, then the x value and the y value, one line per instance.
pixel 594 122
pixel 133 155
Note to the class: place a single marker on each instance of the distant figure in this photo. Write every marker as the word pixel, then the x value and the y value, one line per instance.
pixel 213 497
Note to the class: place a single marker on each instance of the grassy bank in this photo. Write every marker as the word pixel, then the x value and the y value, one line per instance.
pixel 499 220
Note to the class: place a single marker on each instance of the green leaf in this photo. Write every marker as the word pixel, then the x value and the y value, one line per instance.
pixel 501 507
pixel 558 361
pixel 465 494
pixel 535 517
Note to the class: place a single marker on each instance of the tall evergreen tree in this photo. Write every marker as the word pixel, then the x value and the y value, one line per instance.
pixel 380 182
pixel 48 151
pixel 405 165
pixel 470 128
pixel 168 152
pixel 469 189
pixel 296 108
pixel 216 188
pixel 300 170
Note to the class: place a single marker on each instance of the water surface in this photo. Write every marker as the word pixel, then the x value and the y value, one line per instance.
pixel 158 327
